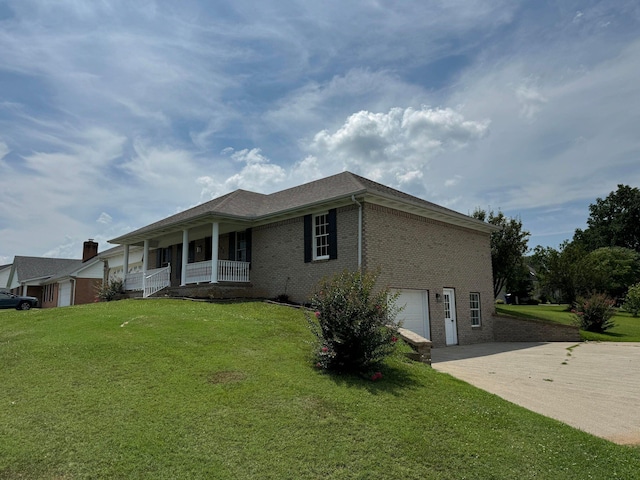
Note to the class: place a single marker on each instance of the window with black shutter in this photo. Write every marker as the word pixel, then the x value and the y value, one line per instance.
pixel 321 236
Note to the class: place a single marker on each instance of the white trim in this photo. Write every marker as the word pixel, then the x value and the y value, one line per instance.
pixel 473 309
pixel 314 235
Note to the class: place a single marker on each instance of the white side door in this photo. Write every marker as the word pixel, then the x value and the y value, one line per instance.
pixel 450 325
pixel 415 313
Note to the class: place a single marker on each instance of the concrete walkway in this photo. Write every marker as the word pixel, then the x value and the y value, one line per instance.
pixel 591 386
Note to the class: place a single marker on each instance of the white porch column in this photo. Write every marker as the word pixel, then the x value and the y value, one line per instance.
pixel 215 231
pixel 185 257
pixel 145 263
pixel 125 267
pixel 24 289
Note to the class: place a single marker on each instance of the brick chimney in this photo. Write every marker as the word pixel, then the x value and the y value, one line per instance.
pixel 89 250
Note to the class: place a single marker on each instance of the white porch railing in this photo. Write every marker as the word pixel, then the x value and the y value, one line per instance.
pixel 134 281
pixel 156 280
pixel 198 272
pixel 228 271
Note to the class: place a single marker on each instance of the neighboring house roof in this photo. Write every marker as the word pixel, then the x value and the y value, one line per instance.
pixel 5 271
pixel 72 270
pixel 30 268
pixel 35 270
pixel 242 205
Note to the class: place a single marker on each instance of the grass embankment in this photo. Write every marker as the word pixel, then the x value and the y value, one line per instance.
pixel 173 389
pixel 627 328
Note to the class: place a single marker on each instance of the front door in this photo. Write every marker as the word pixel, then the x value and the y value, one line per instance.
pixel 450 326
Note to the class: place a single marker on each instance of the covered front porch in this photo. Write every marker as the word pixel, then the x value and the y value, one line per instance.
pixel 202 254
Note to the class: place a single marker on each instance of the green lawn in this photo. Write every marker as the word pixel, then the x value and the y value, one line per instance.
pixel 175 389
pixel 627 328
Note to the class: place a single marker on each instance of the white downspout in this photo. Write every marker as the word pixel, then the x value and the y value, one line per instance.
pixel 125 268
pixel 353 197
pixel 73 291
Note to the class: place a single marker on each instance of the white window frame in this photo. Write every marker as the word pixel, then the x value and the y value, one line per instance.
pixel 321 236
pixel 474 309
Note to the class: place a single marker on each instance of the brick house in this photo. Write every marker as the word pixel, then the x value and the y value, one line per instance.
pixel 253 245
pixel 56 282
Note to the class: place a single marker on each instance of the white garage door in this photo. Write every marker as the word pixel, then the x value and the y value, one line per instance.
pixel 415 316
pixel 64 294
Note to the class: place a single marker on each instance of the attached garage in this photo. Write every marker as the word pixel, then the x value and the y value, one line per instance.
pixel 415 313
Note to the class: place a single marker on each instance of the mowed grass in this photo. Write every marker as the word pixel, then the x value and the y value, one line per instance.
pixel 165 389
pixel 627 328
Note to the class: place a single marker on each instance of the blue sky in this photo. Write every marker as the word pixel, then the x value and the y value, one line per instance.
pixel 114 114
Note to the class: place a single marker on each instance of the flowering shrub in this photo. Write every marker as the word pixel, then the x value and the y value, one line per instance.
pixel 594 313
pixel 107 291
pixel 632 300
pixel 354 324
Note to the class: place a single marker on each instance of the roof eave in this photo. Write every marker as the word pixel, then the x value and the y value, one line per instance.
pixel 434 213
pixel 136 237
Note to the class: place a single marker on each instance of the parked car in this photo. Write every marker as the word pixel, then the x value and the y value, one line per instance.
pixel 19 302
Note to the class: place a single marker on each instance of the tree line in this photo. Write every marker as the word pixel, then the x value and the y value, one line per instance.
pixel 604 257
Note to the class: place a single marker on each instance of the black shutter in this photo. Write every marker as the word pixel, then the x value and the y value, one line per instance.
pixel 191 254
pixel 232 246
pixel 208 249
pixel 333 234
pixel 248 238
pixel 308 238
pixel 158 257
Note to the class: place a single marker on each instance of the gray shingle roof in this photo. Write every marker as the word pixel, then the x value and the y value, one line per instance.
pixel 29 268
pixel 245 205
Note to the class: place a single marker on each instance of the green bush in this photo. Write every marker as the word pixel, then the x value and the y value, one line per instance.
pixel 594 313
pixel 107 291
pixel 632 300
pixel 354 324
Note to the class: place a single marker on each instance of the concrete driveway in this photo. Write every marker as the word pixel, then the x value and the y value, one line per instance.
pixel 591 386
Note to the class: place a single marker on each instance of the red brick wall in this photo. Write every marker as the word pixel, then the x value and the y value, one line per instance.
pixel 86 289
pixel 54 298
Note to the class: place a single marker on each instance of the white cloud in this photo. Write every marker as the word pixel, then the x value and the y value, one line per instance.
pixel 452 182
pixel 257 174
pixel 105 218
pixel 4 151
pixel 531 101
pixel 398 146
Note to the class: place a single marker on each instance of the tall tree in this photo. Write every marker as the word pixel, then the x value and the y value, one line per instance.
pixel 613 221
pixel 609 270
pixel 558 271
pixel 508 247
